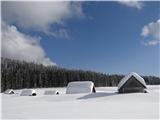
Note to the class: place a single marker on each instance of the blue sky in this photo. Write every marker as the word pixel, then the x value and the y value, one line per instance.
pixel 106 37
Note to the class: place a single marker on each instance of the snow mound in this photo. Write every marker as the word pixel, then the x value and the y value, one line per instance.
pixel 51 92
pixel 124 80
pixel 28 92
pixel 80 87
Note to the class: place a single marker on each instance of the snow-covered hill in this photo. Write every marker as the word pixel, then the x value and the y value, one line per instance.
pixel 106 103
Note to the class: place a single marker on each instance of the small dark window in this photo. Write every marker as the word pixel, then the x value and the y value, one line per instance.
pixel 34 94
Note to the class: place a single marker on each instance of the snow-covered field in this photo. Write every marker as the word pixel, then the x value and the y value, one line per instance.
pixel 106 104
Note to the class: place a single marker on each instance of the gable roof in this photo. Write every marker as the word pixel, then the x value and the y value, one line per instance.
pixel 80 87
pixel 126 78
pixel 9 91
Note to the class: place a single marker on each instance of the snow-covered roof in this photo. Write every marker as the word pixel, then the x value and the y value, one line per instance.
pixel 51 92
pixel 124 80
pixel 28 92
pixel 80 87
pixel 9 91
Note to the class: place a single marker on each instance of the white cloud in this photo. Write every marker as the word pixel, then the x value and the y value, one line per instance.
pixel 34 16
pixel 152 31
pixel 60 33
pixel 16 45
pixel 40 16
pixel 153 42
pixel 132 3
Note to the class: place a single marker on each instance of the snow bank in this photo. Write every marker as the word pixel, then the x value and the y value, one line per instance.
pixel 80 87
pixel 124 80
pixel 28 92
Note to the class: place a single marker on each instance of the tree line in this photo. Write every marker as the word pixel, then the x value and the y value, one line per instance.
pixel 20 74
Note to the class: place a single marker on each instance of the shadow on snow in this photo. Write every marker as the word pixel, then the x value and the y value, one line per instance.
pixel 96 95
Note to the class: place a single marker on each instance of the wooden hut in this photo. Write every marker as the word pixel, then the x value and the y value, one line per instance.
pixel 28 92
pixel 51 92
pixel 132 83
pixel 9 91
pixel 80 87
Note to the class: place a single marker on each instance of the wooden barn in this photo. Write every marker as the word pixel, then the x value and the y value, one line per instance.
pixel 132 83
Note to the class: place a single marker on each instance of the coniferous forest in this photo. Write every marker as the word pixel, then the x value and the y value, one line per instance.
pixel 20 74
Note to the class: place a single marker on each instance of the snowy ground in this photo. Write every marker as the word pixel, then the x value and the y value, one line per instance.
pixel 106 103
